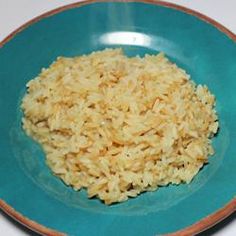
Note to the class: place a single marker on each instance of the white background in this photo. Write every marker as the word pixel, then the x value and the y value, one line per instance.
pixel 13 13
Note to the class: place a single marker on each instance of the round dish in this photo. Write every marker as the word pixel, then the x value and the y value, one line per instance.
pixel 29 190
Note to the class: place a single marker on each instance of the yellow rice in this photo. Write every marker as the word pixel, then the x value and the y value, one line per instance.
pixel 119 126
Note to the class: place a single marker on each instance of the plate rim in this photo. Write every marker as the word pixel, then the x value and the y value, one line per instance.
pixel 177 7
pixel 197 227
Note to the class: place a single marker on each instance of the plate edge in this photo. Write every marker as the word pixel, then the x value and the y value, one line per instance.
pixel 189 11
pixel 33 225
pixel 208 221
pixel 197 227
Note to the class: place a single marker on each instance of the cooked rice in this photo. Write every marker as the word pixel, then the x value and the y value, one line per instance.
pixel 120 126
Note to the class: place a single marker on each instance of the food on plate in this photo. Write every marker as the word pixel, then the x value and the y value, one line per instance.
pixel 119 125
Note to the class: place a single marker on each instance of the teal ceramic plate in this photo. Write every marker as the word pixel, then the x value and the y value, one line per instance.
pixel 198 44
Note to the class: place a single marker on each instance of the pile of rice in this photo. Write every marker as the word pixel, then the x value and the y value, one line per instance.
pixel 120 126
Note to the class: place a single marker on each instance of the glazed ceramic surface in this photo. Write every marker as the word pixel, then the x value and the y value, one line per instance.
pixel 206 53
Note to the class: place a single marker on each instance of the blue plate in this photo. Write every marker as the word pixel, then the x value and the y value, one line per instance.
pixel 27 187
